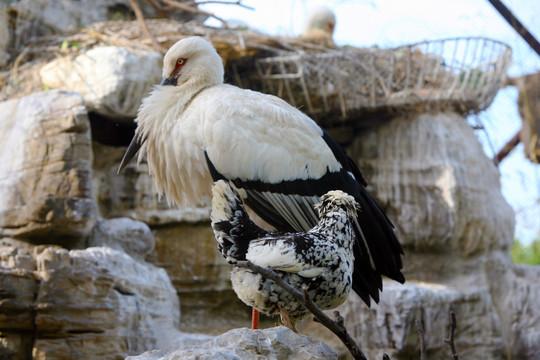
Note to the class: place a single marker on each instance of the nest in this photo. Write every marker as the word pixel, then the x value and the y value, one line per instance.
pixel 461 73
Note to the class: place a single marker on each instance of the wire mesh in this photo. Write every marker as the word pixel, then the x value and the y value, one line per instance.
pixel 461 72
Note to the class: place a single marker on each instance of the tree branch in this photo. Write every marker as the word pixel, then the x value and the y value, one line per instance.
pixel 450 340
pixel 140 18
pixel 336 327
pixel 237 3
pixel 192 9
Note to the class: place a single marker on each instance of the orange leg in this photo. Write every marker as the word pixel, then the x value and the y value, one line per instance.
pixel 255 319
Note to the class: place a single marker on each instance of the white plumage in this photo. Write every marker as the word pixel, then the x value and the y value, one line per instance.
pixel 320 260
pixel 319 27
pixel 196 130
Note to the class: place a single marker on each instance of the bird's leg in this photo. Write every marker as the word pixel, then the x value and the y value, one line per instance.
pixel 286 320
pixel 254 319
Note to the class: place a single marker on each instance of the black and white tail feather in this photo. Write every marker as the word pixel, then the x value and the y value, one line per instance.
pixel 232 226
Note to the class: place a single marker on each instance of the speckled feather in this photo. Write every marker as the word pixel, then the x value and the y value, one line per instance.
pixel 320 260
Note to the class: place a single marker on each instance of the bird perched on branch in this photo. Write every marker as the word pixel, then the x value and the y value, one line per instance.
pixel 196 130
pixel 319 261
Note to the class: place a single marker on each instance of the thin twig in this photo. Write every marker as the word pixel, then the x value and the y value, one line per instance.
pixel 17 63
pixel 140 18
pixel 335 326
pixel 237 3
pixel 191 9
pixel 423 354
pixel 450 340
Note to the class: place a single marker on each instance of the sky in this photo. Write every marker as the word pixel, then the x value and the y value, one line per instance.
pixel 389 23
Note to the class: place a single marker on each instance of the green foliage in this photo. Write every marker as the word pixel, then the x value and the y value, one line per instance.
pixel 526 254
pixel 66 44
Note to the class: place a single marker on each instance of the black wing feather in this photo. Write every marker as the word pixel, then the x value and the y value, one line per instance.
pixel 382 245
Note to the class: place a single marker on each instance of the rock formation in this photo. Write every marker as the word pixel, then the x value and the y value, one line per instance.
pixel 277 343
pixel 92 263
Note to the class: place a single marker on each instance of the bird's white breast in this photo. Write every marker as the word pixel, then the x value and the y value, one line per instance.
pixel 174 146
pixel 247 135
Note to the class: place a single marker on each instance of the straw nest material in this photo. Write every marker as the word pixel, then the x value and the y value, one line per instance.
pixel 330 84
pixel 461 73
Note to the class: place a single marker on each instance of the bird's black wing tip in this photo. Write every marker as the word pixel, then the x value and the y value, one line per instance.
pixel 132 149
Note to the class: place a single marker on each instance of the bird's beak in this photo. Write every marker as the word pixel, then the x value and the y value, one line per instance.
pixel 132 149
pixel 169 81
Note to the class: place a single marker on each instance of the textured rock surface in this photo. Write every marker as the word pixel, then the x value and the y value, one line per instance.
pixel 123 234
pixel 4 35
pixel 30 19
pixel 278 343
pixel 45 170
pixel 92 303
pixel 112 80
pixel 430 174
pixel 390 326
pixel 515 291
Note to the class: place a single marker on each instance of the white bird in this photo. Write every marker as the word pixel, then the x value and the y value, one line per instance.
pixel 196 130
pixel 319 27
pixel 320 260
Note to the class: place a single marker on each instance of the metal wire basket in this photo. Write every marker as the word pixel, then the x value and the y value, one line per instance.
pixel 465 73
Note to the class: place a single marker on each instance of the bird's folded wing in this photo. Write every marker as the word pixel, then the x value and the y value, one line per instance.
pixel 283 254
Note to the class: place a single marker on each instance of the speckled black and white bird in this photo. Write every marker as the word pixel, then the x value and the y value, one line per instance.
pixel 319 260
pixel 196 130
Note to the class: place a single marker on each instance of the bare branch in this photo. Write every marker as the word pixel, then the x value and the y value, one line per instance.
pixel 140 18
pixel 423 354
pixel 192 9
pixel 450 340
pixel 335 326
pixel 237 3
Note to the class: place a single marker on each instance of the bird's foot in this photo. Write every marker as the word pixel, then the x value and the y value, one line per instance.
pixel 287 321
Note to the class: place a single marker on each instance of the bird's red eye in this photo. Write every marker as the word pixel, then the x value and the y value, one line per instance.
pixel 180 62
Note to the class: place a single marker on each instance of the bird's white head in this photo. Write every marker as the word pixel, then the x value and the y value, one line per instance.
pixel 192 60
pixel 321 18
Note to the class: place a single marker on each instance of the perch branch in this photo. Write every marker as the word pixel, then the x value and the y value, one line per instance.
pixel 336 326
pixel 140 18
pixel 450 340
pixel 423 354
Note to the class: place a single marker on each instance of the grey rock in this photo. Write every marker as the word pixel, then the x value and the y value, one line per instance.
pixel 45 168
pixel 31 19
pixel 443 194
pixel 100 303
pixel 390 325
pixel 515 291
pixel 112 80
pixel 133 237
pixel 278 343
